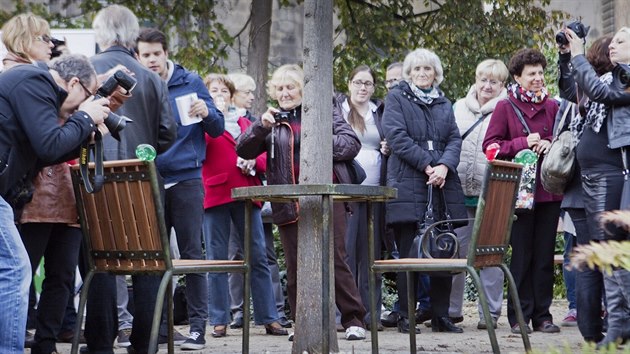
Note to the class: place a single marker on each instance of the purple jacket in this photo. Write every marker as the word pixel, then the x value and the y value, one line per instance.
pixel 506 129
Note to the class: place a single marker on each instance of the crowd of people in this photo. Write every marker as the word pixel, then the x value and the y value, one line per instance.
pixel 415 140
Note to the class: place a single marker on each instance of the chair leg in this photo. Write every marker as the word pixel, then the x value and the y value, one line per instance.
pixel 82 301
pixel 517 307
pixel 170 319
pixel 483 299
pixel 167 277
pixel 372 281
pixel 411 307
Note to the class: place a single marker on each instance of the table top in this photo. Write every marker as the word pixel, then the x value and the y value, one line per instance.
pixel 292 192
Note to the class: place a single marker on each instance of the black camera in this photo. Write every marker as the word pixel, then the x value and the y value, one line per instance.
pixel 281 116
pixel 623 74
pixel 114 122
pixel 56 50
pixel 576 26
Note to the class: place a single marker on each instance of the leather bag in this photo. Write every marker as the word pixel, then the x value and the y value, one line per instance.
pixel 558 165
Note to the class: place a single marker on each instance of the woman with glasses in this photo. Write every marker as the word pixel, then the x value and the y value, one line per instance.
pixel 27 39
pixel 420 128
pixel 364 116
pixel 472 114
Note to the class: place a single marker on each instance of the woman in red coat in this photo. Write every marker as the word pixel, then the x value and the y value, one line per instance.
pixel 222 171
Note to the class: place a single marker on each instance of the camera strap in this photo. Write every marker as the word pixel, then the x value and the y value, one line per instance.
pixel 84 159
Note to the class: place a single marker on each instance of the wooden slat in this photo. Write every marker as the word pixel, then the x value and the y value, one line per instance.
pixel 95 230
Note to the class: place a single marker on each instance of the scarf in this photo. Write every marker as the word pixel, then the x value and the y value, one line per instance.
pixel 518 92
pixel 427 98
pixel 231 122
pixel 12 59
pixel 596 112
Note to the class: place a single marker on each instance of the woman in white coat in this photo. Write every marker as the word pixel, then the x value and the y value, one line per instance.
pixel 472 114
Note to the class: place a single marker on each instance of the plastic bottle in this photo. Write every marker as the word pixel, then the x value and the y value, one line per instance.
pixel 145 152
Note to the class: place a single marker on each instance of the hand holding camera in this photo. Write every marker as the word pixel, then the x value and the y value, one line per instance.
pixel 97 109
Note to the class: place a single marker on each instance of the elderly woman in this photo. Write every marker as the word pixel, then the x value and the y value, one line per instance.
pixel 420 128
pixel 364 113
pixel 533 234
pixel 472 114
pixel 27 39
pixel 243 98
pixel 281 138
pixel 604 139
pixel 222 171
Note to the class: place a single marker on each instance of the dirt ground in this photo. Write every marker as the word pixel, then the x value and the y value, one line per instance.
pixel 390 341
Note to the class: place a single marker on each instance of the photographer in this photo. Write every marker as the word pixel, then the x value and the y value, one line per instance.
pixel 604 139
pixel 31 100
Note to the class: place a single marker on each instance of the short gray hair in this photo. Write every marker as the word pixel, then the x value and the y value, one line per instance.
pixel 116 25
pixel 74 65
pixel 242 82
pixel 423 56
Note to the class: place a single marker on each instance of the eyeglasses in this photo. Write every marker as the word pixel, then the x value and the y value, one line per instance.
pixel 359 83
pixel 491 82
pixel 44 38
pixel 391 82
pixel 88 92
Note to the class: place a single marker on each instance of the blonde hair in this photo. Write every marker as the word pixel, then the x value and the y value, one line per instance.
pixel 242 82
pixel 290 72
pixel 493 68
pixel 224 79
pixel 423 56
pixel 18 34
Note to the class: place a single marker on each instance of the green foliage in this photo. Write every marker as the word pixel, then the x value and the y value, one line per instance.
pixel 587 348
pixel 461 32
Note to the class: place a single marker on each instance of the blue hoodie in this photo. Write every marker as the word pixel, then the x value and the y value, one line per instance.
pixel 183 160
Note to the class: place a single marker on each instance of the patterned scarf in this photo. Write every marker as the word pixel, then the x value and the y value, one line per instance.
pixel 427 98
pixel 597 112
pixel 518 92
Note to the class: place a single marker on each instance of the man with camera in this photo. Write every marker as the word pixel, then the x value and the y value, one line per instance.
pixel 180 167
pixel 116 29
pixel 31 100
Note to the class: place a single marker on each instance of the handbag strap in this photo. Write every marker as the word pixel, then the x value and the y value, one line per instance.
pixel 567 109
pixel 475 125
pixel 519 114
pixel 428 214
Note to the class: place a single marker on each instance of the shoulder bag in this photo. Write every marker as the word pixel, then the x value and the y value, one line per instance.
pixel 556 169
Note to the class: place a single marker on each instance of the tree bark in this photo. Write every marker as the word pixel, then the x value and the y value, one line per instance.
pixel 316 168
pixel 258 51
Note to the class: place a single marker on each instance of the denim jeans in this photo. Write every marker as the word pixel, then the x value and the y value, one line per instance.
pixel 569 274
pixel 217 223
pixel 184 213
pixel 15 279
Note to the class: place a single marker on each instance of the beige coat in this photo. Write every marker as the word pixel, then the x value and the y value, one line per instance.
pixel 472 163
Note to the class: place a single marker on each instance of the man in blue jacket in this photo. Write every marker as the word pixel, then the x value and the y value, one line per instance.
pixel 181 167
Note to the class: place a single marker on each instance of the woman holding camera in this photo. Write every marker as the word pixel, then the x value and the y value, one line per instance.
pixel 223 170
pixel 420 128
pixel 533 233
pixel 278 133
pixel 600 154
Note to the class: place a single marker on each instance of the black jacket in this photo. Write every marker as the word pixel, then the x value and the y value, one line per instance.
pixel 420 135
pixel 148 107
pixel 30 134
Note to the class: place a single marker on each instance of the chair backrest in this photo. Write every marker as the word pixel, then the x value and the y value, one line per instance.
pixel 123 223
pixel 495 213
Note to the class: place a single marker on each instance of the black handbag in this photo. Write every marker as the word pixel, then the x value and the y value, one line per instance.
pixel 435 240
pixel 356 171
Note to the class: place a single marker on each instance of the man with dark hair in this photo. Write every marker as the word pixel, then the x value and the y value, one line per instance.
pixel 181 168
pixel 31 100
pixel 116 29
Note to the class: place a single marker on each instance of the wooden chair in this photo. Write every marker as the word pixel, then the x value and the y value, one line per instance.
pixel 490 240
pixel 125 233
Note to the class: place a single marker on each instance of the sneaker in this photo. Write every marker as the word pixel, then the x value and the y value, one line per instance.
pixel 389 319
pixel 291 336
pixel 482 324
pixel 196 341
pixel 570 320
pixel 547 327
pixel 516 329
pixel 123 338
pixel 178 338
pixel 355 333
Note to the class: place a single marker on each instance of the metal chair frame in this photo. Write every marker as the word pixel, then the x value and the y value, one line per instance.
pixel 125 233
pixel 490 240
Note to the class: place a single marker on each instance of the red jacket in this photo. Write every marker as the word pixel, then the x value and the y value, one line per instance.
pixel 507 130
pixel 219 171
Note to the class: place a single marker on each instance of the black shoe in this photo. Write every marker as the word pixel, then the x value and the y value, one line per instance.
pixel 516 329
pixel 547 327
pixel 284 322
pixel 444 324
pixel 391 320
pixel 457 319
pixel 423 315
pixel 237 323
pixel 29 339
pixel 403 326
pixel 379 326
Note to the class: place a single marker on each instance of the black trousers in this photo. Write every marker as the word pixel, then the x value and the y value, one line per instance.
pixel 533 242
pixel 439 286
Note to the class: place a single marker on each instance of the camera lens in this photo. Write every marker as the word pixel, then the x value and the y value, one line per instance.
pixel 561 38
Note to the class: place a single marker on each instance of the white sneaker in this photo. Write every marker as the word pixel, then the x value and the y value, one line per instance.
pixel 355 333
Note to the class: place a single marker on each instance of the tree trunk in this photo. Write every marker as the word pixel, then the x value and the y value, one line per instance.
pixel 258 51
pixel 312 334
